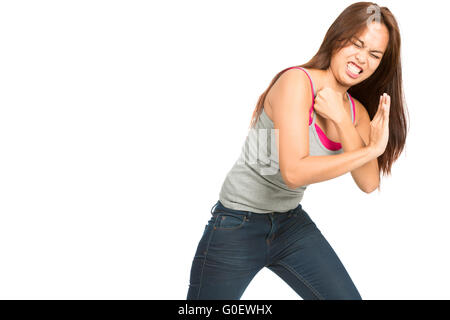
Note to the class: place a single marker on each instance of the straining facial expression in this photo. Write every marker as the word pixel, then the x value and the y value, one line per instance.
pixel 361 57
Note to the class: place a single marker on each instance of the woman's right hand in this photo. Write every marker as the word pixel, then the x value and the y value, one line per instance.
pixel 379 126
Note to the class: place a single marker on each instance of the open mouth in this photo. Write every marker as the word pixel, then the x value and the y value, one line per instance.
pixel 353 68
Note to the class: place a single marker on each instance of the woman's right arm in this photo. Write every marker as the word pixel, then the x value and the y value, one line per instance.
pixel 290 99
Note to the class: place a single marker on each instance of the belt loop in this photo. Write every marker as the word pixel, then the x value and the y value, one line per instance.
pixel 298 210
pixel 214 206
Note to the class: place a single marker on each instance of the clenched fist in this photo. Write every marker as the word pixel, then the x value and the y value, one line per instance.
pixel 330 105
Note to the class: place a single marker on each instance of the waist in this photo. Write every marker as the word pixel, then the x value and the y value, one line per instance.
pixel 219 207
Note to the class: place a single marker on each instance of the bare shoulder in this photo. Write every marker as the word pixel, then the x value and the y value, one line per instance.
pixel 292 80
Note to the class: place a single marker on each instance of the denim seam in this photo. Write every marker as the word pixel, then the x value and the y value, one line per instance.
pixel 204 260
pixel 220 214
pixel 268 246
pixel 314 291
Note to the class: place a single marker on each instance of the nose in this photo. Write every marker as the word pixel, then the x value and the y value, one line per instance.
pixel 361 58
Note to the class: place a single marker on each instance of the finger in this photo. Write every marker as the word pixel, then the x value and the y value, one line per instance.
pixel 380 109
pixel 386 122
pixel 384 107
pixel 386 113
pixel 383 102
pixel 387 105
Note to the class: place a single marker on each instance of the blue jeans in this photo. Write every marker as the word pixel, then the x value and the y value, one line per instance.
pixel 235 245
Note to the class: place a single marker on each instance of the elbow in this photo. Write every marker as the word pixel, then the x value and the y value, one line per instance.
pixel 291 185
pixel 288 182
pixel 287 178
pixel 292 182
pixel 370 189
pixel 294 175
pixel 370 185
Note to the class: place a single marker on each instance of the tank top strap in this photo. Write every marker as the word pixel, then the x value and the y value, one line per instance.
pixel 310 81
pixel 311 109
pixel 313 118
pixel 352 107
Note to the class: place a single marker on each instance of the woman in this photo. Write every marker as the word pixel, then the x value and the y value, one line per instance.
pixel 355 123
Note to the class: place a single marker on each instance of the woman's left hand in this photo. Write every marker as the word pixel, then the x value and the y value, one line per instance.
pixel 329 104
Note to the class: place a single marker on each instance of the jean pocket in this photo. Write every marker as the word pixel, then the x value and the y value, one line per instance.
pixel 210 223
pixel 229 221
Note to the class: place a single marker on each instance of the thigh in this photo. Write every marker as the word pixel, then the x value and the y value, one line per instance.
pixel 311 267
pixel 227 258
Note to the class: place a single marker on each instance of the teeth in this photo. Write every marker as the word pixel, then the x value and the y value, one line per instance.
pixel 353 68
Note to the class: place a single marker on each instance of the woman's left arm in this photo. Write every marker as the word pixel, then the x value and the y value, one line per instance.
pixel 367 177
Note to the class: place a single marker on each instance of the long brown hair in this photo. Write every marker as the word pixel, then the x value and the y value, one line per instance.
pixel 387 77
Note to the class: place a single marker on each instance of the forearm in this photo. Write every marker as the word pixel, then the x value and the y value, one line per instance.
pixel 367 175
pixel 313 169
pixel 349 136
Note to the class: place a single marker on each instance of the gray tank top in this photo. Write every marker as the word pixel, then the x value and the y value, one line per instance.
pixel 254 183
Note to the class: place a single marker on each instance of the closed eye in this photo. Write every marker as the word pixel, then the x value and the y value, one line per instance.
pixel 376 57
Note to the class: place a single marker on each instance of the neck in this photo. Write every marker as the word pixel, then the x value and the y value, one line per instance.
pixel 327 79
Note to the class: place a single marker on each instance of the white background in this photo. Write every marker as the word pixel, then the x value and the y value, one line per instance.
pixel 120 120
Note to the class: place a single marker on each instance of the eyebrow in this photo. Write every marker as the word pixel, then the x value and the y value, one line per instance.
pixel 370 50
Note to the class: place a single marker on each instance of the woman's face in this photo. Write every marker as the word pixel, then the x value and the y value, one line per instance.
pixel 366 50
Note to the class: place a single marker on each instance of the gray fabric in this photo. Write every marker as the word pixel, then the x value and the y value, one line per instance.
pixel 254 183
